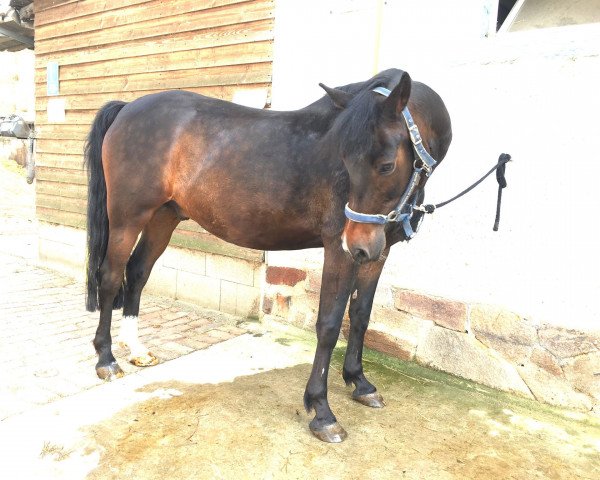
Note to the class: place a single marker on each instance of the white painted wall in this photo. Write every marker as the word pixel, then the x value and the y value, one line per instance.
pixel 531 94
pixel 329 41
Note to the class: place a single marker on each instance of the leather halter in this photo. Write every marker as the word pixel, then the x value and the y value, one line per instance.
pixel 423 165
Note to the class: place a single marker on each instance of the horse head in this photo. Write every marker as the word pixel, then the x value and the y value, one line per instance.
pixel 374 142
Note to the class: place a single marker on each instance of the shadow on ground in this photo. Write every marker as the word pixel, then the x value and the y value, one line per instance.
pixel 434 427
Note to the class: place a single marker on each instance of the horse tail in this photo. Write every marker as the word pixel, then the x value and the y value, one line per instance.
pixel 97 214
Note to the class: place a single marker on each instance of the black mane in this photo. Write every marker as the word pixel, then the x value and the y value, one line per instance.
pixel 353 130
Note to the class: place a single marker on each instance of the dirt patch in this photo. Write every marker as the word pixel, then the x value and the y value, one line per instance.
pixel 254 427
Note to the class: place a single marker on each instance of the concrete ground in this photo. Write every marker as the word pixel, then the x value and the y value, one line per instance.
pixel 226 401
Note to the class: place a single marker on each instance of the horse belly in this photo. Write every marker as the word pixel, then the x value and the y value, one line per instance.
pixel 241 187
pixel 251 224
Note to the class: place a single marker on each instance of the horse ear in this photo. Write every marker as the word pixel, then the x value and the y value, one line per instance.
pixel 398 99
pixel 339 97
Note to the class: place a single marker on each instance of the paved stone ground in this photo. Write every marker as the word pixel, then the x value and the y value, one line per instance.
pixel 45 331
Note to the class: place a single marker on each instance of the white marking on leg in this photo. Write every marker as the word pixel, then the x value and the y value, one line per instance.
pixel 128 336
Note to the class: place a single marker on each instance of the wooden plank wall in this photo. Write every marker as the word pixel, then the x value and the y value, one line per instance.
pixel 124 49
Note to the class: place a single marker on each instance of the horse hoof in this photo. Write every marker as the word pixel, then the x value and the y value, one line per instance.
pixel 373 400
pixel 144 360
pixel 110 372
pixel 333 433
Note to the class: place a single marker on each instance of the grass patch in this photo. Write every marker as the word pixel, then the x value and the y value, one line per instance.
pixel 57 452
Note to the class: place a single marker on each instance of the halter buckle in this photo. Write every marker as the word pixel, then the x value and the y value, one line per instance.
pixel 415 135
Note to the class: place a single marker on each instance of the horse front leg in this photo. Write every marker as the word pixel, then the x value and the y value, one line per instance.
pixel 361 305
pixel 336 285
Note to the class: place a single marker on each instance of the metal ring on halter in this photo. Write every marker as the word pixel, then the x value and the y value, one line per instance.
pixel 393 216
pixel 429 208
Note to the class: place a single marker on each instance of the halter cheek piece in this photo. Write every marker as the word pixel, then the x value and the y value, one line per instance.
pixel 423 165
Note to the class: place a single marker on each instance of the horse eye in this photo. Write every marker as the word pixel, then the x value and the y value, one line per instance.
pixel 386 168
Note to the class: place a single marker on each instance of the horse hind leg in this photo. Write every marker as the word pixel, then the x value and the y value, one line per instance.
pixel 122 238
pixel 153 242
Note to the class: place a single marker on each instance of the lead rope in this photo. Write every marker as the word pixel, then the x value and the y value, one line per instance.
pixel 500 169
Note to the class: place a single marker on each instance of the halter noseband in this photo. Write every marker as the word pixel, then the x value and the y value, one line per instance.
pixel 424 162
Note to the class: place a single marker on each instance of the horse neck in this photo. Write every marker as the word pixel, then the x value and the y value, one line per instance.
pixel 311 126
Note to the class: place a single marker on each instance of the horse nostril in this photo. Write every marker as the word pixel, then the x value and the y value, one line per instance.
pixel 360 255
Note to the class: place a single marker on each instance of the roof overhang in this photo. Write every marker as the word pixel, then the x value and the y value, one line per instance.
pixel 16 25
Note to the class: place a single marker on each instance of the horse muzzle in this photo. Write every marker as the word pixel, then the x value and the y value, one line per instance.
pixel 363 242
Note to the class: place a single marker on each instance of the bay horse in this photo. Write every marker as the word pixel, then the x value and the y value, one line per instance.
pixel 320 176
